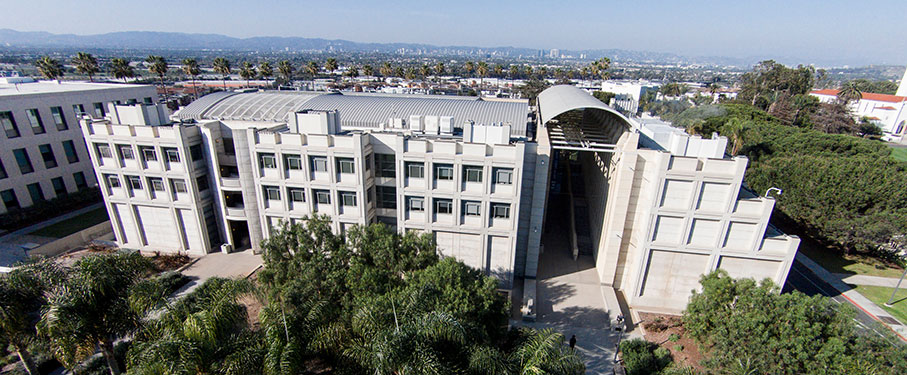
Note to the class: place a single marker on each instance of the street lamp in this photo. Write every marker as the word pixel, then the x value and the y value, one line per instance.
pixel 891 299
pixel 771 189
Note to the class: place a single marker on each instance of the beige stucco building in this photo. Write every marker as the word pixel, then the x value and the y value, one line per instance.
pixel 654 206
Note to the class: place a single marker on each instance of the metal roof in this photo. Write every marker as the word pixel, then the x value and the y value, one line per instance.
pixel 563 98
pixel 586 131
pixel 361 111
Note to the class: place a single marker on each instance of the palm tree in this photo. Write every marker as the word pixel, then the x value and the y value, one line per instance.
pixel 22 294
pixel 386 69
pixel 601 66
pixel 265 70
pixel 247 72
pixel 400 72
pixel 410 74
pixel 102 300
pixel 544 352
pixel 499 70
pixel 222 67
pixel 543 72
pixel 352 72
pixel 468 67
pixel 736 130
pixel 331 65
pixel 529 71
pixel 482 71
pixel 424 71
pixel 286 69
pixel 158 66
pixel 190 67
pixel 50 68
pixel 368 70
pixel 850 92
pixel 514 72
pixel 120 68
pixel 313 68
pixel 86 64
pixel 439 69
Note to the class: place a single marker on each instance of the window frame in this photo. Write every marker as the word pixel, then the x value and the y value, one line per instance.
pixel 121 152
pixel 179 185
pixel 448 169
pixel 103 151
pixel 292 194
pixel 496 206
pixel 293 162
pixel 472 208
pixel 272 193
pixel 34 119
pixel 325 194
pixel 420 167
pixel 411 206
pixel 346 165
pixel 23 160
pixel 113 181
pixel 99 109
pixel 445 202
pixel 8 121
pixel 348 195
pixel 319 163
pixel 134 182
pixel 468 169
pixel 47 155
pixel 59 117
pixel 506 171
pixel 156 183
pixel 9 196
pixel 61 189
pixel 69 148
pixel 386 165
pixel 171 154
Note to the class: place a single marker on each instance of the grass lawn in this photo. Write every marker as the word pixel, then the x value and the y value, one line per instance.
pixel 880 295
pixel 73 224
pixel 899 153
pixel 836 262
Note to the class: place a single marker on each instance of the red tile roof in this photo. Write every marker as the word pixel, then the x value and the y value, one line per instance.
pixel 866 96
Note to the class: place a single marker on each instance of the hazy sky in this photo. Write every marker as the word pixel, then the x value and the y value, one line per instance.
pixel 871 31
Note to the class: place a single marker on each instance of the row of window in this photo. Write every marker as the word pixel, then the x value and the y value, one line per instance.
pixel 346 198
pixel 147 153
pixel 317 163
pixel 10 201
pixel 47 155
pixel 11 127
pixel 444 206
pixel 155 184
pixel 471 173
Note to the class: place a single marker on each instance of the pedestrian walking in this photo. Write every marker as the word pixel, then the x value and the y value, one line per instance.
pixel 573 342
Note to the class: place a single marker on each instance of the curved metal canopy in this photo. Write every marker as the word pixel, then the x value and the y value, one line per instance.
pixel 556 100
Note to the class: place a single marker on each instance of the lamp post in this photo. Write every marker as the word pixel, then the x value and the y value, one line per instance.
pixel 891 299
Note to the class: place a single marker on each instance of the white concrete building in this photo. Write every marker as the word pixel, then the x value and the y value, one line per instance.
pixel 889 112
pixel 658 208
pixel 43 154
pixel 628 92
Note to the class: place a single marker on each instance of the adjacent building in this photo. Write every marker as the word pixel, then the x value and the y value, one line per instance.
pixel 888 112
pixel 43 154
pixel 654 206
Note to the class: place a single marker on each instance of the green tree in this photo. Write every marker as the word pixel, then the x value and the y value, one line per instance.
pixel 544 352
pixel 103 298
pixel 265 70
pixel 386 69
pixel 22 295
pixel 368 70
pixel 86 64
pixel 157 65
pixel 121 69
pixel 532 88
pixel 424 71
pixel 850 92
pixel 499 70
pixel 352 72
pixel 770 82
pixel 49 67
pixel 736 131
pixel 247 72
pixel 600 68
pixel 313 68
pixel 331 65
pixel 468 67
pixel 482 71
pixel 514 72
pixel 191 68
pixel 222 67
pixel 439 69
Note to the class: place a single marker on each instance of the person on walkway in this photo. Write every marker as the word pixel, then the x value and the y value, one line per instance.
pixel 572 342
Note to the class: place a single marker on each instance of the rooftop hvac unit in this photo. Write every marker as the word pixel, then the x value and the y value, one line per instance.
pixel 431 124
pixel 446 124
pixel 415 123
pixel 396 122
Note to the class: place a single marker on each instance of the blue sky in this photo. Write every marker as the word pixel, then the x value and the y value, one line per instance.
pixel 866 31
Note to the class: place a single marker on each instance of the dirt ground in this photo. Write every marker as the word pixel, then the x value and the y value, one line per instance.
pixel 162 262
pixel 659 328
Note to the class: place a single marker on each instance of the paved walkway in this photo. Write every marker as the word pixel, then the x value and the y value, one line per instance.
pixel 854 297
pixel 888 282
pixel 228 265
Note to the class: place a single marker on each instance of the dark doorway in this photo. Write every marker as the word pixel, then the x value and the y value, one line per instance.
pixel 239 230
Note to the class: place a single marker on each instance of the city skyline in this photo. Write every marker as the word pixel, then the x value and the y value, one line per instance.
pixel 805 31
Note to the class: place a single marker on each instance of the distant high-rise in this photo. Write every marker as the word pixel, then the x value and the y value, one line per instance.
pixel 554 53
pixel 902 89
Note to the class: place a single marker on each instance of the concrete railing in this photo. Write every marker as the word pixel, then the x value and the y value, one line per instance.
pixel 71 241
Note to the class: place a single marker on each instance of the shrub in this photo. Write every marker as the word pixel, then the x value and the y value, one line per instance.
pixel 641 357
pixel 673 337
pixel 678 348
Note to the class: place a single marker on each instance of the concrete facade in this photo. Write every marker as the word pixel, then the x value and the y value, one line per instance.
pixel 663 207
pixel 41 131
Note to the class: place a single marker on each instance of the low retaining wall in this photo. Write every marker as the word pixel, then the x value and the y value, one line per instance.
pixel 71 241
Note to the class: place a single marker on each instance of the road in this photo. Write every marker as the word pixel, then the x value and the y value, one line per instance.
pixel 802 279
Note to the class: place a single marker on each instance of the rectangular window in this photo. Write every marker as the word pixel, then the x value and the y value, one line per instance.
pixel 59 186
pixel 69 148
pixel 386 165
pixel 202 182
pixel 296 195
pixel 81 183
pixel 346 165
pixel 9 124
pixel 112 181
pixel 322 197
pixel 34 118
pixel 99 110
pixel 79 110
pixel 2 171
pixel 415 170
pixel 24 162
pixel 179 185
pixel 267 161
pixel 472 208
pixel 59 118
pixel 472 173
pixel 37 195
pixel 272 193
pixel 293 162
pixel 368 162
pixel 443 206
pixel 156 183
pixel 148 153
pixel 125 152
pixel 135 182
pixel 416 204
pixel 172 154
pixel 103 150
pixel 319 163
pixel 148 100
pixel 47 153
pixel 348 198
pixel 9 199
pixel 500 210
pixel 229 148
pixel 196 152
pixel 387 196
pixel 503 176
pixel 444 171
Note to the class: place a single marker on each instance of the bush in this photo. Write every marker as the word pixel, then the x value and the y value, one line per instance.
pixel 673 337
pixel 678 348
pixel 641 357
pixel 172 280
